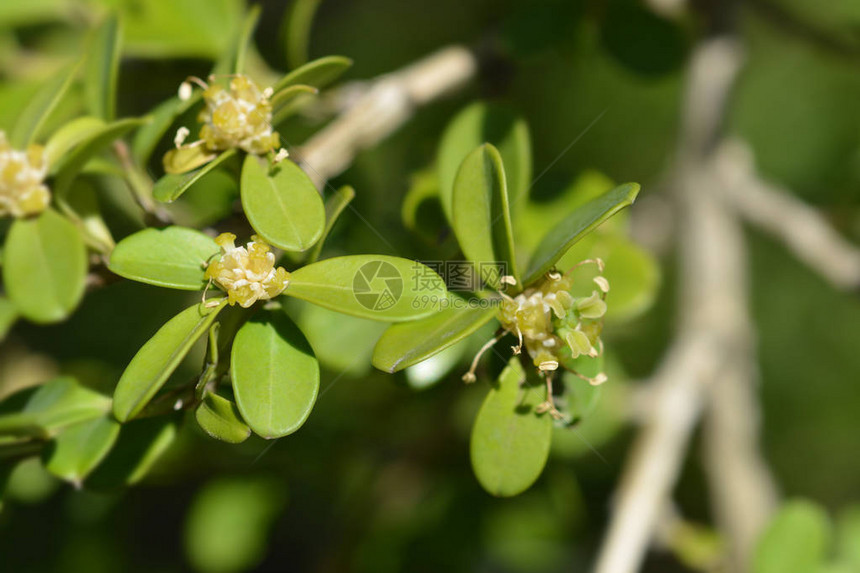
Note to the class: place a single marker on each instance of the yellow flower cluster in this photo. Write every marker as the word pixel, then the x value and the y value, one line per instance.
pixel 247 274
pixel 238 117
pixel 22 175
pixel 548 320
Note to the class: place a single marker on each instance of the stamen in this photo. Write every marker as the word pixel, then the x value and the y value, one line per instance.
pixel 469 376
pixel 181 135
pixel 602 283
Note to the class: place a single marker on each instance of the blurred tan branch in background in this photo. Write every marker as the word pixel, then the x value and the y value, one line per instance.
pixel 388 103
pixel 800 227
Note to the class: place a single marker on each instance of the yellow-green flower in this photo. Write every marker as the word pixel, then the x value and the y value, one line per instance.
pixel 247 274
pixel 238 117
pixel 22 175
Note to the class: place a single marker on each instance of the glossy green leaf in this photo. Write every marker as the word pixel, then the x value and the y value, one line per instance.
pixel 69 136
pixel 282 205
pixel 174 257
pixel 31 121
pixel 8 316
pixel 334 206
pixel 102 68
pixel 510 442
pixel 318 73
pixel 141 443
pixel 296 31
pixel 228 524
pixel 220 418
pixel 45 410
pixel 79 449
pixel 275 375
pixel 795 541
pixel 94 143
pixel 377 287
pixel 481 213
pixel 45 267
pixel 478 124
pixel 406 344
pixel 158 358
pixel 575 226
pixel 170 187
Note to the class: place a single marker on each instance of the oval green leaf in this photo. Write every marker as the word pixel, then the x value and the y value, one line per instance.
pixel 796 540
pixel 220 418
pixel 175 257
pixel 45 267
pixel 79 449
pixel 378 287
pixel 483 123
pixel 170 187
pixel 158 358
pixel 283 205
pixel 481 214
pixel 403 345
pixel 510 442
pixel 276 377
pixel 575 226
pixel 318 73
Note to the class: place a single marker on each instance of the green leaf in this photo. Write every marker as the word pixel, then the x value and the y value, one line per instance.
pixel 45 267
pixel 102 69
pixel 175 257
pixel 334 206
pixel 795 541
pixel 318 73
pixel 8 316
pixel 403 345
pixel 575 226
pixel 421 210
pixel 229 521
pixel 283 206
pixel 377 287
pixel 483 123
pixel 69 136
pixel 290 100
pixel 275 375
pixel 32 119
pixel 146 138
pixel 79 449
pixel 170 187
pixel 220 418
pixel 158 358
pixel 481 214
pixel 141 443
pixel 296 31
pixel 510 442
pixel 246 38
pixel 94 143
pixel 51 407
pixel 184 159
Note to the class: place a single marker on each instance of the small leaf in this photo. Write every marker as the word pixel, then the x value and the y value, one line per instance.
pixel 102 69
pixel 170 187
pixel 276 377
pixel 296 31
pixel 575 226
pixel 45 410
pixel 32 119
pixel 158 358
pixel 403 345
pixel 510 442
pixel 795 541
pixel 140 444
pixel 45 267
pixel 377 287
pixel 334 206
pixel 481 214
pixel 175 257
pixel 290 100
pixel 69 136
pixel 483 123
pixel 79 449
pixel 284 207
pixel 318 73
pixel 246 38
pixel 184 159
pixel 220 418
